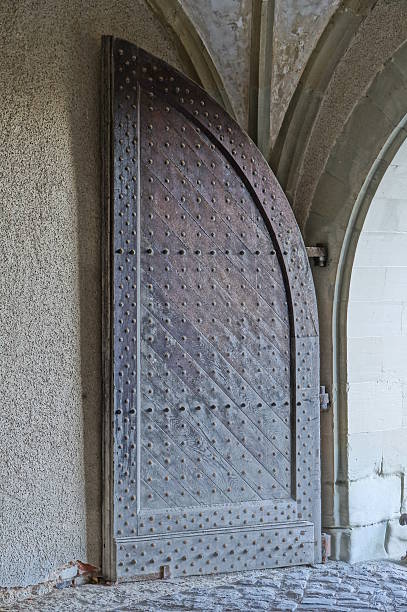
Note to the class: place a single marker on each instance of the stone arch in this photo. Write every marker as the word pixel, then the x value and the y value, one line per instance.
pixel 335 428
pixel 291 145
pixel 337 205
pixel 370 307
pixel 341 130
pixel 172 14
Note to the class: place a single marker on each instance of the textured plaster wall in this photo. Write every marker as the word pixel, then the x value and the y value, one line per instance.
pixel 377 372
pixel 50 416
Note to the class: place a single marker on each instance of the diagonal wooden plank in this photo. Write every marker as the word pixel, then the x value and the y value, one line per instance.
pixel 216 422
pixel 278 427
pixel 150 498
pixel 216 367
pixel 227 276
pixel 269 382
pixel 264 340
pixel 194 440
pixel 168 341
pixel 182 397
pixel 178 464
pixel 234 192
pixel 173 246
pixel 164 160
pixel 164 484
pixel 222 236
pixel 167 420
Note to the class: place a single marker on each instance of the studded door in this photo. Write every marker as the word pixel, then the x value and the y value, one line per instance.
pixel 210 339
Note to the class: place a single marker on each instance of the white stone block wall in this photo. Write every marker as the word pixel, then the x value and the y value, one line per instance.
pixel 377 373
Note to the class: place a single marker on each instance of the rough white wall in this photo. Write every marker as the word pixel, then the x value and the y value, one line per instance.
pixel 50 412
pixel 377 372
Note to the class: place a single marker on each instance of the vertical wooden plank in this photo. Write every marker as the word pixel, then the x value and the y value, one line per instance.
pixel 109 552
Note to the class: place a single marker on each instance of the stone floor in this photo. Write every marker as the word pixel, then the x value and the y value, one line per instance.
pixel 334 586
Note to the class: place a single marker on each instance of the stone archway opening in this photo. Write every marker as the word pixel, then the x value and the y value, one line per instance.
pixel 351 500
pixel 333 213
pixel 376 388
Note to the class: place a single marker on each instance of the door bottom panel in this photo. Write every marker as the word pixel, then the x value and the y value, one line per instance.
pixel 216 551
pixel 198 518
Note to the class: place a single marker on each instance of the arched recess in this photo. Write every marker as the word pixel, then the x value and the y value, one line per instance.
pixel 356 163
pixel 290 149
pixel 172 13
pixel 348 105
pixel 373 372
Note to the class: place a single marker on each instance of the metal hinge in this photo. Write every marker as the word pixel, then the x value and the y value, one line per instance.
pixel 165 571
pixel 324 400
pixel 319 254
pixel 403 522
pixel 325 547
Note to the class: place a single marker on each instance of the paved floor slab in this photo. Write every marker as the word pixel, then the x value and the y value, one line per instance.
pixel 335 586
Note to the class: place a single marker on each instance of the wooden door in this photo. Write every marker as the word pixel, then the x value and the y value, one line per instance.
pixel 211 354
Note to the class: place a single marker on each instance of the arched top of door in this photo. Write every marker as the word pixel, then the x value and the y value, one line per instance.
pixel 156 77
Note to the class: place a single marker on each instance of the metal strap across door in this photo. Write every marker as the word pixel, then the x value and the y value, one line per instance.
pixel 211 352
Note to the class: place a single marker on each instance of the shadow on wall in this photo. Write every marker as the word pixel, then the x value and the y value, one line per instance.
pixel 84 111
pixel 85 147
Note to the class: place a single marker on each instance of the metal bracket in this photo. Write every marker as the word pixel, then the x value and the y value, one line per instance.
pixel 326 547
pixel 319 254
pixel 403 523
pixel 324 399
pixel 165 572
